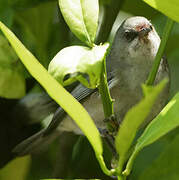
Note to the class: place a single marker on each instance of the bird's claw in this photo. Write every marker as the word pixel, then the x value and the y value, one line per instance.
pixel 112 124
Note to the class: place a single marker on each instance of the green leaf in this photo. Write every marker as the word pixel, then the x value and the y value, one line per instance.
pixel 55 90
pixel 12 82
pixel 75 61
pixel 36 30
pixel 10 170
pixel 74 109
pixel 133 119
pixel 165 166
pixel 24 4
pixel 167 120
pixel 106 2
pixel 158 58
pixel 6 12
pixel 169 8
pixel 162 124
pixel 82 18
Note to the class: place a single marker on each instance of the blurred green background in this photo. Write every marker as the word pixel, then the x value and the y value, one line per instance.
pixel 41 27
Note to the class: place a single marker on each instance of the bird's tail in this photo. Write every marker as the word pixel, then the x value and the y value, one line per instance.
pixel 35 143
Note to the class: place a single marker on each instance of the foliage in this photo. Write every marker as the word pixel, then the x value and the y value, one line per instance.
pixel 22 163
pixel 12 83
pixel 85 61
pixel 169 8
pixel 82 18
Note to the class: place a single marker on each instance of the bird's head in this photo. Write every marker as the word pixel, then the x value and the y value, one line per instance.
pixel 136 38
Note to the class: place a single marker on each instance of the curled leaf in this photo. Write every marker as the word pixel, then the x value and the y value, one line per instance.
pixel 76 62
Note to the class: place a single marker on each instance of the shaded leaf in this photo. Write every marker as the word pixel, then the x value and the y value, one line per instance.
pixel 36 30
pixel 166 165
pixel 12 82
pixel 6 12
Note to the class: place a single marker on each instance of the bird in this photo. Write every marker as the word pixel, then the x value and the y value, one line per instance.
pixel 129 63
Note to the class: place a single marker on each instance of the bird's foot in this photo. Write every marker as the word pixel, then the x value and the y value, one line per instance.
pixel 109 139
pixel 112 124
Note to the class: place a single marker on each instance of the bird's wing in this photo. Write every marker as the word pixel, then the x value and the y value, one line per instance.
pixel 33 108
pixel 80 93
pixel 47 135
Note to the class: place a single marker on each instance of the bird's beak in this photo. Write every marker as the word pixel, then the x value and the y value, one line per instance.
pixel 144 32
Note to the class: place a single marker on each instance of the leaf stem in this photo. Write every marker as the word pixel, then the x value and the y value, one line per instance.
pixel 120 164
pixel 130 162
pixel 103 166
pixel 105 95
pixel 166 33
pixel 107 101
pixel 120 178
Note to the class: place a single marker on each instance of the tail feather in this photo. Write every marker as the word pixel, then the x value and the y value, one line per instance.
pixel 35 143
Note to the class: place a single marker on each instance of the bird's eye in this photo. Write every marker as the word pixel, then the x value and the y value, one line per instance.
pixel 151 27
pixel 130 35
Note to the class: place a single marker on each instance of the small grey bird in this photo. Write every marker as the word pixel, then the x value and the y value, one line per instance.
pixel 128 65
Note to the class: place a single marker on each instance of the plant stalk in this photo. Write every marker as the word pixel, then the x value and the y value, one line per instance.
pixel 107 101
pixel 158 58
pixel 103 166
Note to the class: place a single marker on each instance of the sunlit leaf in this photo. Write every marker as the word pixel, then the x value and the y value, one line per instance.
pixel 82 18
pixel 56 91
pixel 17 169
pixel 134 118
pixel 167 120
pixel 76 61
pixel 169 8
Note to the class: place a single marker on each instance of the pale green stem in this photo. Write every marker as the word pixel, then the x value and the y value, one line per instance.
pixel 130 162
pixel 120 178
pixel 158 58
pixel 103 166
pixel 108 111
pixel 105 94
pixel 120 164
